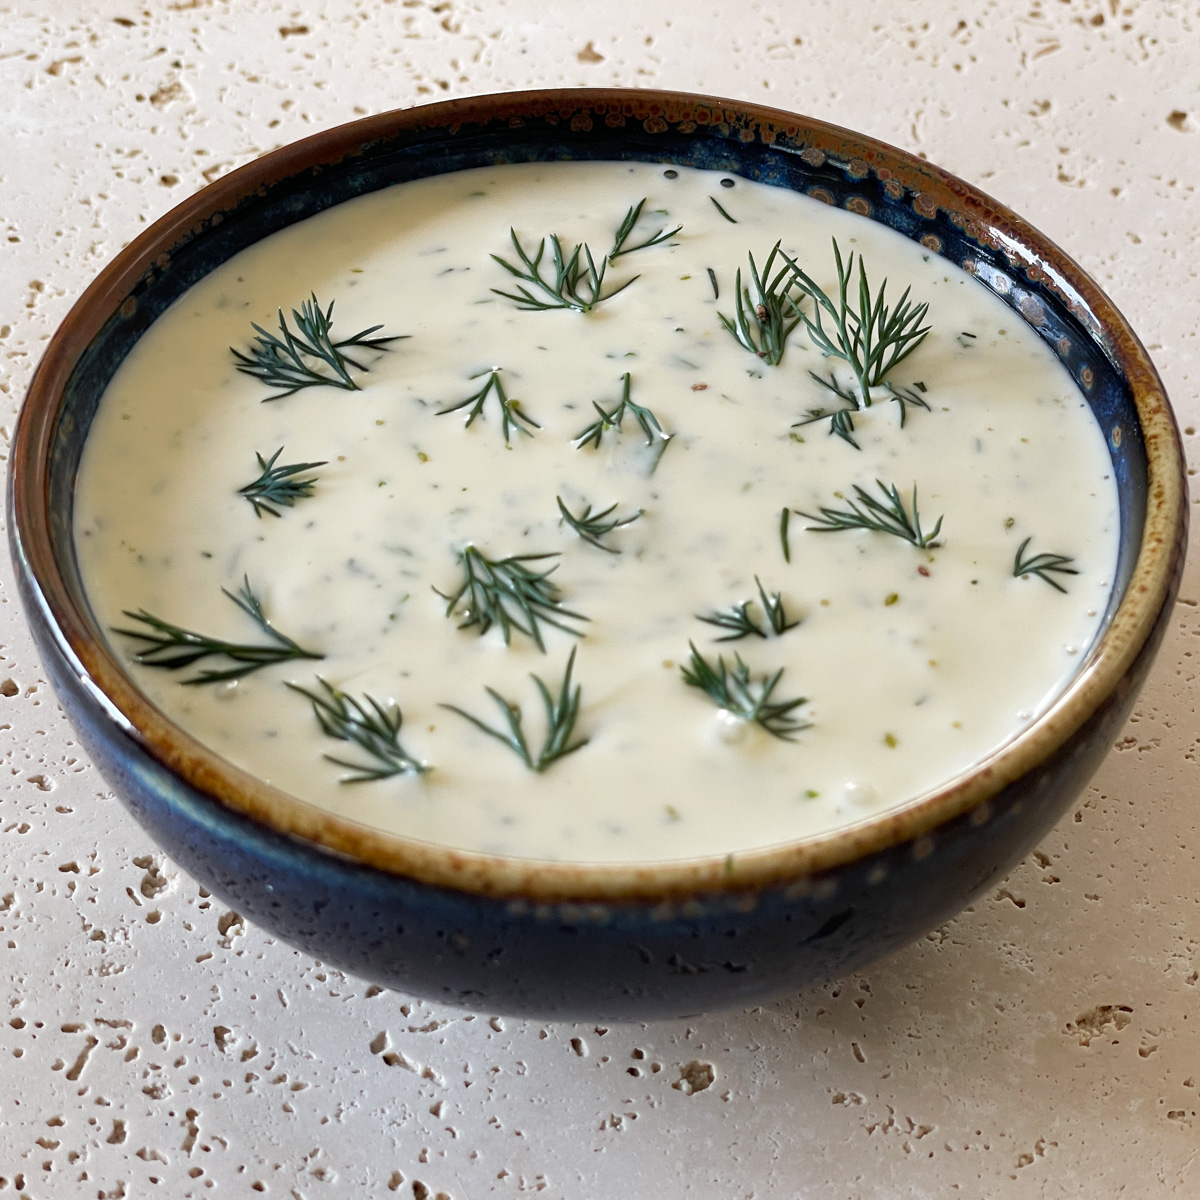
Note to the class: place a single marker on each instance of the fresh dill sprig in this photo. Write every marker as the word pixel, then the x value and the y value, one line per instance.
pixel 510 594
pixel 831 384
pixel 293 360
pixel 511 416
pixel 626 228
pixel 735 692
pixel 740 623
pixel 278 485
pixel 904 396
pixel 593 526
pixel 1040 564
pixel 571 279
pixel 717 205
pixel 841 423
pixel 886 516
pixel 841 420
pixel 562 711
pixel 608 421
pixel 369 726
pixel 763 319
pixel 571 284
pixel 867 335
pixel 172 647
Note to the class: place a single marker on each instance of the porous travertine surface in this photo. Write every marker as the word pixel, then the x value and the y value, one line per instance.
pixel 1044 1043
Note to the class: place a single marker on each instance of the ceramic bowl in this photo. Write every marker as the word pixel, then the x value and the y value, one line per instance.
pixel 577 940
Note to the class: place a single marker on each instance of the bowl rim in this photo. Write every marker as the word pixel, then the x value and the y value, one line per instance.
pixel 1151 585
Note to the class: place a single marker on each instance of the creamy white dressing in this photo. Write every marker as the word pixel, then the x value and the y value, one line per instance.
pixel 915 663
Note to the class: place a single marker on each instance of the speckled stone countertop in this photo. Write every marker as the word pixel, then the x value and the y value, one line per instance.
pixel 1044 1044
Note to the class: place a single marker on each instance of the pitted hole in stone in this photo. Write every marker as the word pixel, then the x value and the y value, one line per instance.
pixel 695 1077
pixel 230 925
pixel 193 1131
pixel 76 1068
pixel 1099 1021
pixel 154 882
pixel 118 1134
pixel 579 1046
pixel 9 687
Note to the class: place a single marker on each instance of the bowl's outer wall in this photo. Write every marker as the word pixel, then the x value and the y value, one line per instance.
pixel 633 959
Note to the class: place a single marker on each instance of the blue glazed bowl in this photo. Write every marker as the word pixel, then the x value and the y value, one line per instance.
pixel 575 940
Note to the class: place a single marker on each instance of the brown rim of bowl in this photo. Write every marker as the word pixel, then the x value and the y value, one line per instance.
pixel 1152 583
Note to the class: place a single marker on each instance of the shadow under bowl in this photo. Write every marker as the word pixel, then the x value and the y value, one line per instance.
pixel 577 940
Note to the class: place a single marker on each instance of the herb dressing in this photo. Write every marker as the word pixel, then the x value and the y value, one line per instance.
pixel 907 663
